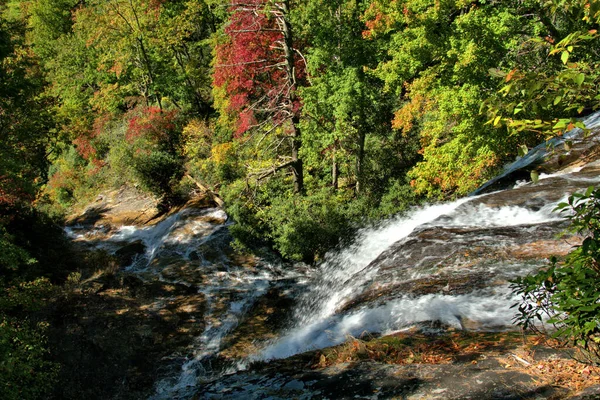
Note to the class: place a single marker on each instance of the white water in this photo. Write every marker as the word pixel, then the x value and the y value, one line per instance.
pixel 231 290
pixel 334 284
pixel 490 311
pixel 344 273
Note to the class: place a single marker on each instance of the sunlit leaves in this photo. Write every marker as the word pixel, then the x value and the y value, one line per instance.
pixel 548 98
pixel 565 294
pixel 250 66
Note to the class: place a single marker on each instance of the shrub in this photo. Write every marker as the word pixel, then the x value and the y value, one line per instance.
pixel 301 228
pixel 158 171
pixel 566 293
pixel 154 139
pixel 25 372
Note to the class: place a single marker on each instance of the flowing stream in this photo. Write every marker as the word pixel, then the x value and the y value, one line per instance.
pixel 439 267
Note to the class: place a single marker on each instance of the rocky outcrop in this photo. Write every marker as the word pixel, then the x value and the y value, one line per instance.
pixel 490 367
pixel 115 334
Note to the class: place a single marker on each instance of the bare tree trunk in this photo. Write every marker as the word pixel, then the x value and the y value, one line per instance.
pixel 334 173
pixel 359 161
pixel 288 47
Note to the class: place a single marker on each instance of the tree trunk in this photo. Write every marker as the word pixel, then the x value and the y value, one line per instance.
pixel 288 47
pixel 297 167
pixel 334 173
pixel 359 161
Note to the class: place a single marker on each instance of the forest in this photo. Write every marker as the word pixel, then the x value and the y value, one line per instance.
pixel 308 118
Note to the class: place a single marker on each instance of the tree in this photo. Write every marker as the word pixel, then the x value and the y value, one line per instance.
pixel 257 74
pixel 563 86
pixel 346 114
pixel 436 60
pixel 25 121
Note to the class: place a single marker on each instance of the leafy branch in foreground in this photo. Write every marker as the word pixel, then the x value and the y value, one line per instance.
pixel 565 81
pixel 566 293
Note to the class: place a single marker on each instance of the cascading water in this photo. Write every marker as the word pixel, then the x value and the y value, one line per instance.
pixel 344 275
pixel 189 247
pixel 445 266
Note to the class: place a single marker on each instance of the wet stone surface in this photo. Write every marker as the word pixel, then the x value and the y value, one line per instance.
pixel 458 260
pixel 371 380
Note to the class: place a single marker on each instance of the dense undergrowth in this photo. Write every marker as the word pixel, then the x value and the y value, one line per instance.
pixel 565 295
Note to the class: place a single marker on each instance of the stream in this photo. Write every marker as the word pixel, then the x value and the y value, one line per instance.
pixel 437 268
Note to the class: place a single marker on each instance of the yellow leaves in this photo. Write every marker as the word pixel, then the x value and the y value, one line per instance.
pixel 196 138
pixel 417 105
pixel 220 152
pixel 196 130
pixel 105 97
pixel 405 117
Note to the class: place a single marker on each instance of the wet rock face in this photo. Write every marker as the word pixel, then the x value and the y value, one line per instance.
pixel 549 189
pixel 125 206
pixel 114 334
pixel 459 260
pixel 129 252
pixel 451 256
pixel 371 380
pixel 572 149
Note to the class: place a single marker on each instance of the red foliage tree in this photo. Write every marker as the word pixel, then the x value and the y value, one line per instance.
pixel 259 68
pixel 151 123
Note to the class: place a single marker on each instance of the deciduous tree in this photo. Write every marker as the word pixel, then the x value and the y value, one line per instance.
pixel 257 73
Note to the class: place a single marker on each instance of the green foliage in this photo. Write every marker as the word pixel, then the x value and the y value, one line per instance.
pixel 300 228
pixel 25 121
pixel 69 181
pixel 435 59
pixel 304 228
pixel 563 86
pixel 25 372
pixel 25 369
pixel 158 171
pixel 566 293
pixel 48 21
pixel 11 255
pixel 154 138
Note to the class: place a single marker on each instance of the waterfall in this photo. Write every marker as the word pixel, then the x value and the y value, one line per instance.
pixel 442 266
pixel 344 274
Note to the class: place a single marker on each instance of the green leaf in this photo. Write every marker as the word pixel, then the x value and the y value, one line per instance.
pixel 523 149
pixel 589 191
pixel 579 78
pixel 557 100
pixel 561 124
pixel 535 176
pixel 564 57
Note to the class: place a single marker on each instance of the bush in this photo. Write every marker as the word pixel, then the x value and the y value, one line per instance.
pixel 70 180
pixel 567 293
pixel 154 139
pixel 25 372
pixel 158 171
pixel 25 369
pixel 304 228
pixel 300 228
